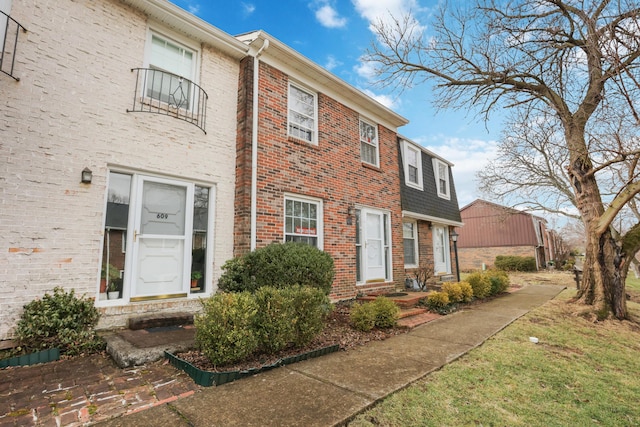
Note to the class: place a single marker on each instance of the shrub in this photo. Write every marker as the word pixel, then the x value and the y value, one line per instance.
pixel 467 291
pixel 311 306
pixel 515 263
pixel 386 312
pixel 480 284
pixel 363 316
pixel 279 265
pixel 225 330
pixel 274 324
pixel 453 291
pixel 499 281
pixel 438 301
pixel 60 320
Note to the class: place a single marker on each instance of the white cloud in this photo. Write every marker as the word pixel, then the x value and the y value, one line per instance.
pixel 193 8
pixel 366 70
pixel 329 17
pixel 332 62
pixel 384 10
pixel 386 100
pixel 248 8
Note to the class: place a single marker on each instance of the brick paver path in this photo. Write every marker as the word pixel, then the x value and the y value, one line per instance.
pixel 84 390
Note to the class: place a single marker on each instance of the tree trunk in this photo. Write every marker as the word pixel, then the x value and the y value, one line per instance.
pixel 604 275
pixel 606 265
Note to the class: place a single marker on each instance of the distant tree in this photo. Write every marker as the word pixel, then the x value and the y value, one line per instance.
pixel 570 72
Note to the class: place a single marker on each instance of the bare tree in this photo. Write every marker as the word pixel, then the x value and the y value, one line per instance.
pixel 572 62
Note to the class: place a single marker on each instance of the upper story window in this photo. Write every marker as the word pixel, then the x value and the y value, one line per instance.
pixel 441 172
pixel 166 85
pixel 303 220
pixel 369 143
pixel 302 114
pixel 172 63
pixel 412 166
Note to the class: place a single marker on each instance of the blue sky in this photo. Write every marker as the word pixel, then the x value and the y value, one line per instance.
pixel 335 35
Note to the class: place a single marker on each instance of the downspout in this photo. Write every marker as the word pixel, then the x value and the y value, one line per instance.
pixel 254 144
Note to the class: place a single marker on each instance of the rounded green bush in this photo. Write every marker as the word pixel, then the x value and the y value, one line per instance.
pixel 515 263
pixel 311 306
pixel 438 301
pixel 363 316
pixel 480 284
pixel 467 291
pixel 60 320
pixel 225 330
pixel 453 291
pixel 499 281
pixel 279 265
pixel 386 312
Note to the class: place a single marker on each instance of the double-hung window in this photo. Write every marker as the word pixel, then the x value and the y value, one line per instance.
pixel 368 143
pixel 170 63
pixel 303 220
pixel 410 242
pixel 441 172
pixel 412 166
pixel 302 114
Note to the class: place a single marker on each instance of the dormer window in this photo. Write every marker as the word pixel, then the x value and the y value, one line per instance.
pixel 412 165
pixel 441 172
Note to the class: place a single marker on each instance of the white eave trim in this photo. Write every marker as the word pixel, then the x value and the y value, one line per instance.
pixel 288 60
pixel 433 219
pixel 424 150
pixel 184 22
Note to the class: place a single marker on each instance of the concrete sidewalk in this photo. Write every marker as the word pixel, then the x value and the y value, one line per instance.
pixel 331 389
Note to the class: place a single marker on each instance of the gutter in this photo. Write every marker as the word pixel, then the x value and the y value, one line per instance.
pixel 254 144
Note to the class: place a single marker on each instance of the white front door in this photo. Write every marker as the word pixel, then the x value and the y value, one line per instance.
pixel 163 223
pixel 441 249
pixel 374 243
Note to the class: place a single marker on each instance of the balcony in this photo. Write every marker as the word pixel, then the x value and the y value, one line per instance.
pixel 160 92
pixel 9 31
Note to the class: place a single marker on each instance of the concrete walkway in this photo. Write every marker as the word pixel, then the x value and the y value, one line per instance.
pixel 331 389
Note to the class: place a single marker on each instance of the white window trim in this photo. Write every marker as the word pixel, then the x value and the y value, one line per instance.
pixel 319 210
pixel 182 42
pixel 377 144
pixel 436 174
pixel 408 147
pixel 314 139
pixel 415 247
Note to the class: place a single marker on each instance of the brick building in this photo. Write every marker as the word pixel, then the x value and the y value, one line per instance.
pixel 140 140
pixel 163 182
pixel 429 212
pixel 491 230
pixel 326 171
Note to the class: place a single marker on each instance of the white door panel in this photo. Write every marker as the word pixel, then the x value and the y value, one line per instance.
pixel 374 246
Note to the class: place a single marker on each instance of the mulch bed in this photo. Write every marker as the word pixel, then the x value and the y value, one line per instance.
pixel 337 331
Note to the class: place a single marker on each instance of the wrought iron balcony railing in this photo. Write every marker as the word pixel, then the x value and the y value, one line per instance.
pixel 165 93
pixel 9 31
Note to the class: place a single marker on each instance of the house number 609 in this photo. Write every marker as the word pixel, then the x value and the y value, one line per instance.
pixel 162 216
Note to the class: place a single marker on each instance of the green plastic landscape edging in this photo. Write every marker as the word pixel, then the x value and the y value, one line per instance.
pixel 208 378
pixel 43 356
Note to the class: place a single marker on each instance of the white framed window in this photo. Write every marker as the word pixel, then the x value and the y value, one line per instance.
pixel 412 166
pixel 303 220
pixel 410 243
pixel 441 172
pixel 369 143
pixel 303 111
pixel 170 62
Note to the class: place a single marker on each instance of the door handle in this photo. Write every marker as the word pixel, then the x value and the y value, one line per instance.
pixel 135 235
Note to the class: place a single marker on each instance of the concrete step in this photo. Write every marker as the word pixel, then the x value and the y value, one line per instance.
pixel 160 320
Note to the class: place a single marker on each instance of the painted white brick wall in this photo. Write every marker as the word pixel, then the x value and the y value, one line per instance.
pixel 68 112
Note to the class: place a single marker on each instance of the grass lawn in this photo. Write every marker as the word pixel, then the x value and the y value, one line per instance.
pixel 580 373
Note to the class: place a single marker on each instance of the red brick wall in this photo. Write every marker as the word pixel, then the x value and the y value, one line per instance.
pixel 331 171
